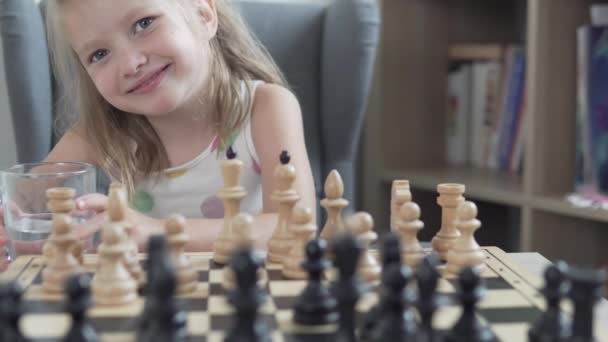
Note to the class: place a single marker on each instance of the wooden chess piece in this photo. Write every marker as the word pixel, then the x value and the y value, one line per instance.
pixel 117 213
pixel 361 225
pixel 466 251
pixel 187 277
pixel 333 204
pixel 62 263
pixel 231 194
pixel 303 230
pixel 60 200
pixel 241 228
pixel 409 224
pixel 281 241
pixel 112 283
pixel 450 197
pixel 400 194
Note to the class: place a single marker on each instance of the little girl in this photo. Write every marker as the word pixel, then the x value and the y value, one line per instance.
pixel 162 88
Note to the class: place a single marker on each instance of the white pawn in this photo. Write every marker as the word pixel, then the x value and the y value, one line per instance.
pixel 187 277
pixel 243 239
pixel 409 224
pixel 400 193
pixel 63 263
pixel 117 213
pixel 112 283
pixel 334 204
pixel 466 251
pixel 303 229
pixel 361 225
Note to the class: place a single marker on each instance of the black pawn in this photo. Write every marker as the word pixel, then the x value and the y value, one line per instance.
pixel 585 291
pixel 78 301
pixel 427 278
pixel 390 253
pixel 11 309
pixel 347 289
pixel 396 323
pixel 247 298
pixel 552 325
pixel 162 319
pixel 315 305
pixel 469 328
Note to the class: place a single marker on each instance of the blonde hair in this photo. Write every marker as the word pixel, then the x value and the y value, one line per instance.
pixel 237 55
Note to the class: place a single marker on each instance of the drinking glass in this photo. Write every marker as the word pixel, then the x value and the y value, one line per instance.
pixel 27 220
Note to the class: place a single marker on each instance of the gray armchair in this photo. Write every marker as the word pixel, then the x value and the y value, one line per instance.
pixel 325 48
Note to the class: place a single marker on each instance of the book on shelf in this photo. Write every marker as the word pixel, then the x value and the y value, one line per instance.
pixel 485 106
pixel 592 113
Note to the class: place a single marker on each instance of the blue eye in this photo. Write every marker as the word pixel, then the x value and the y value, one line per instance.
pixel 98 55
pixel 143 24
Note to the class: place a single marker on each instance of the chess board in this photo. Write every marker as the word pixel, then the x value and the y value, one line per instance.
pixel 511 303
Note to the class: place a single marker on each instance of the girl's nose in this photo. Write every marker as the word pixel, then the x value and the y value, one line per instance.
pixel 132 63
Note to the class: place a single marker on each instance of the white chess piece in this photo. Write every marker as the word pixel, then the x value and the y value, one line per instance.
pixel 62 262
pixel 450 197
pixel 333 204
pixel 60 200
pixel 400 193
pixel 187 277
pixel 117 213
pixel 361 225
pixel 303 229
pixel 231 194
pixel 112 283
pixel 408 225
pixel 241 227
pixel 466 251
pixel 286 196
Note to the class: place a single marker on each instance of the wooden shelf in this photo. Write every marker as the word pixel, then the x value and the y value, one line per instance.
pixel 557 205
pixel 484 184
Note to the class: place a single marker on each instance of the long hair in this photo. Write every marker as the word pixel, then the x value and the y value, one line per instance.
pixel 126 146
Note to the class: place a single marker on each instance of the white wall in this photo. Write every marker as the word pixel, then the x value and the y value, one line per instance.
pixel 8 153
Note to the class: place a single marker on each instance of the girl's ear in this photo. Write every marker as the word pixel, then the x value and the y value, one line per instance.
pixel 208 14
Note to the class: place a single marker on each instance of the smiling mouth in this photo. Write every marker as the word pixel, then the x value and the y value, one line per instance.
pixel 150 80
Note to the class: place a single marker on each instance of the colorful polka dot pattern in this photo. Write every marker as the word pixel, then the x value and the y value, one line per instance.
pixel 143 202
pixel 212 207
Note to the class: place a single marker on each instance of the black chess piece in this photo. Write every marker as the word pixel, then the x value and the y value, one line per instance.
pixel 552 324
pixel 427 277
pixel 11 309
pixel 390 253
pixel 247 298
pixel 585 291
pixel 78 292
pixel 347 289
pixel 315 305
pixel 163 318
pixel 468 327
pixel 396 322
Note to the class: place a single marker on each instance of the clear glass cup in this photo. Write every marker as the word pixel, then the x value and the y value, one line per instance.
pixel 27 220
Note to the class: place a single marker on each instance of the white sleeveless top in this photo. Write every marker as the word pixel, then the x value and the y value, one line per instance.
pixel 191 189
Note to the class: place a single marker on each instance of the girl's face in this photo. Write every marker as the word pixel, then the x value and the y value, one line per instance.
pixel 142 56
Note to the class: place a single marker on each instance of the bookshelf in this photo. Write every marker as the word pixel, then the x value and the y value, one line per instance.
pixel 404 136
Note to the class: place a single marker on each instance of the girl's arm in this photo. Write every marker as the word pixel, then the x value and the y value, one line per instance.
pixel 276 126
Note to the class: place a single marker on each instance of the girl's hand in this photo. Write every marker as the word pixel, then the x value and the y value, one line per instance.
pixel 143 226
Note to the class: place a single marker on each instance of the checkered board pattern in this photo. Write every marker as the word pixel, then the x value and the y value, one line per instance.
pixel 511 303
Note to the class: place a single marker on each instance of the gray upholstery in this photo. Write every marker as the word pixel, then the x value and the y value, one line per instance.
pixel 326 50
